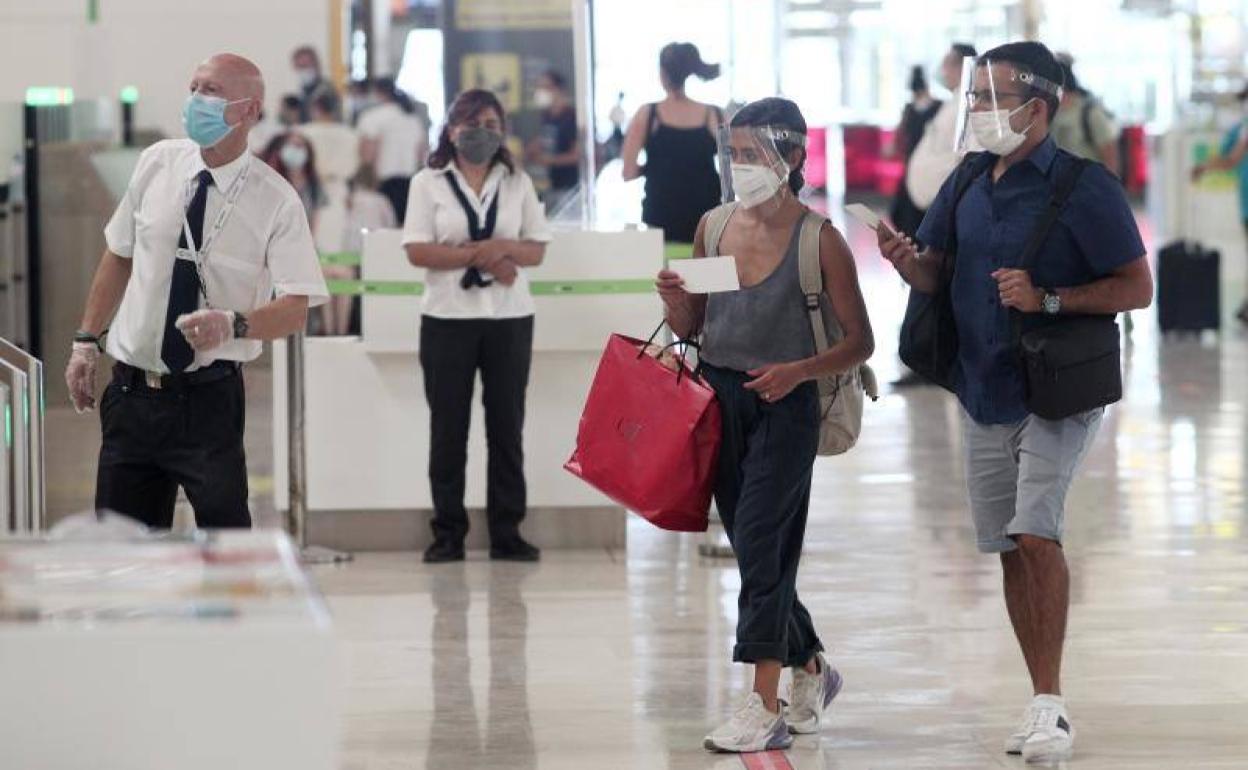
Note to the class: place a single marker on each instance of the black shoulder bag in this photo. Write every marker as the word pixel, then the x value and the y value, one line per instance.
pixel 929 333
pixel 1074 364
pixel 476 231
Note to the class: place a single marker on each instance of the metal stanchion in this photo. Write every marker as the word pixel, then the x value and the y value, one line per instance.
pixel 297 510
pixel 21 431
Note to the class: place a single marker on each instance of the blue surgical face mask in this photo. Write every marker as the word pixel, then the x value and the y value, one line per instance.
pixel 204 118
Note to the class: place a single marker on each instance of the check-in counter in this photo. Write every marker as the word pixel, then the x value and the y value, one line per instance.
pixel 367 424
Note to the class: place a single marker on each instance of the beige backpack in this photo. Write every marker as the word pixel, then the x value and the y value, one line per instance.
pixel 841 396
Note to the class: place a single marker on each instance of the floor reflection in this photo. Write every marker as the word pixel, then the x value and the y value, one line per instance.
pixel 457 737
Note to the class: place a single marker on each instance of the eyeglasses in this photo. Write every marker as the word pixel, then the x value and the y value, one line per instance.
pixel 976 98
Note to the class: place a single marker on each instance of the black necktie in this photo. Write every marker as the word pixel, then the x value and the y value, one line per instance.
pixel 175 351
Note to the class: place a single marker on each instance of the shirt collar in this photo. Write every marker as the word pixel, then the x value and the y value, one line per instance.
pixel 492 179
pixel 1042 157
pixel 222 176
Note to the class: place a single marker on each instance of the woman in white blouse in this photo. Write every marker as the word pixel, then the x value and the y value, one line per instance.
pixel 475 223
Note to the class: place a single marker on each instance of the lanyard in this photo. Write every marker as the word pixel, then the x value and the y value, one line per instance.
pixel 200 255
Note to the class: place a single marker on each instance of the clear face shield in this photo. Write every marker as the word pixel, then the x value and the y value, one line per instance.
pixel 754 162
pixel 994 98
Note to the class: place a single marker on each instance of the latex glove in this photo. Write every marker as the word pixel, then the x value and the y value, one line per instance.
pixel 80 375
pixel 207 329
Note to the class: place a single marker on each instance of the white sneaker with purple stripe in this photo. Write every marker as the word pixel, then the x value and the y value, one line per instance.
pixel 752 728
pixel 812 694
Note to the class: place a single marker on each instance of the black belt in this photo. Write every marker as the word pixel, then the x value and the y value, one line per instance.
pixel 141 378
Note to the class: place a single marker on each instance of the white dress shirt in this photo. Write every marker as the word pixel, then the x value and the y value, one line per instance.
pixel 399 136
pixel 934 157
pixel 265 246
pixel 434 215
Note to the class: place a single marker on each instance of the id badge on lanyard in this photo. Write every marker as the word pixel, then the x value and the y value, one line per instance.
pixel 199 254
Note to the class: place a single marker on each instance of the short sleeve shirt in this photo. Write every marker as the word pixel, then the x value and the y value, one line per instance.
pixel 263 247
pixel 1095 235
pixel 434 215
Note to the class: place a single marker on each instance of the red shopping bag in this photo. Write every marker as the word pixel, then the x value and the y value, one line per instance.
pixel 649 437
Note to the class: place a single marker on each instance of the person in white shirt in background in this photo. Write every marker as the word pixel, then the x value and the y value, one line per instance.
pixel 935 156
pixel 337 149
pixel 209 253
pixel 475 224
pixel 268 127
pixel 393 140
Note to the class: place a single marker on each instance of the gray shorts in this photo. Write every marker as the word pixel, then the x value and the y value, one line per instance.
pixel 1018 475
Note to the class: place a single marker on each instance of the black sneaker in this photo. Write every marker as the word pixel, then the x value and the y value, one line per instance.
pixel 515 548
pixel 443 551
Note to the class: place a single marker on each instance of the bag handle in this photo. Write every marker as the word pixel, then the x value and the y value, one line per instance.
pixel 1062 191
pixel 687 343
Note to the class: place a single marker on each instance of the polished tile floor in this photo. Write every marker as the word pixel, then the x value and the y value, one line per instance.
pixel 620 659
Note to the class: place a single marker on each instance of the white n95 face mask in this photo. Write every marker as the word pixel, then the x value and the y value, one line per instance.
pixel 994 133
pixel 755 184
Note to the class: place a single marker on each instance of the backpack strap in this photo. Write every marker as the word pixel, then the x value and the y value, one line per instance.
pixel 810 276
pixel 1085 121
pixel 716 222
pixel 1067 181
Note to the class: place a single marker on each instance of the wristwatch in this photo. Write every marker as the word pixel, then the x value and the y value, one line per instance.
pixel 1052 302
pixel 89 338
pixel 241 326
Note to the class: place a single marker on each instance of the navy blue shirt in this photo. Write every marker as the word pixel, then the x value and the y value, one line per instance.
pixel 1095 235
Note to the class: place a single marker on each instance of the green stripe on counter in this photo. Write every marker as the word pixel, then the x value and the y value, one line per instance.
pixel 538 288
pixel 341 259
pixel 677 251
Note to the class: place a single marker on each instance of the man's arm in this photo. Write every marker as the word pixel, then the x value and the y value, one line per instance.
pixel 1130 287
pixel 107 288
pixel 280 318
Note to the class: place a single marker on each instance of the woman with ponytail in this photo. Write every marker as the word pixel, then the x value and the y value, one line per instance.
pixel 678 135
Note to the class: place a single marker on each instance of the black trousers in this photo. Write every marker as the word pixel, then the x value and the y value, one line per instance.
pixel 762 491
pixel 451 354
pixel 395 189
pixel 157 440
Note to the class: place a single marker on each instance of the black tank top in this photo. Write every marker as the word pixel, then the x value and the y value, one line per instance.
pixel 681 181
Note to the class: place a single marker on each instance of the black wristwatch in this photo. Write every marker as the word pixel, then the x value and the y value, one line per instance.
pixel 81 336
pixel 241 327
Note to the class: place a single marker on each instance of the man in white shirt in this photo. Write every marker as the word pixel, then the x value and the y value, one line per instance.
pixel 202 242
pixel 935 156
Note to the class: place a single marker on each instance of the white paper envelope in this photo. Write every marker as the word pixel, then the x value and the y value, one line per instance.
pixel 709 274
pixel 863 215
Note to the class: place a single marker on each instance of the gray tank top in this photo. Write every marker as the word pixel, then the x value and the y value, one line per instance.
pixel 763 324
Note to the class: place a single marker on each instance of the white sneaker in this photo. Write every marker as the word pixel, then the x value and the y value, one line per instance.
pixel 812 694
pixel 1050 735
pixel 1014 744
pixel 752 728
